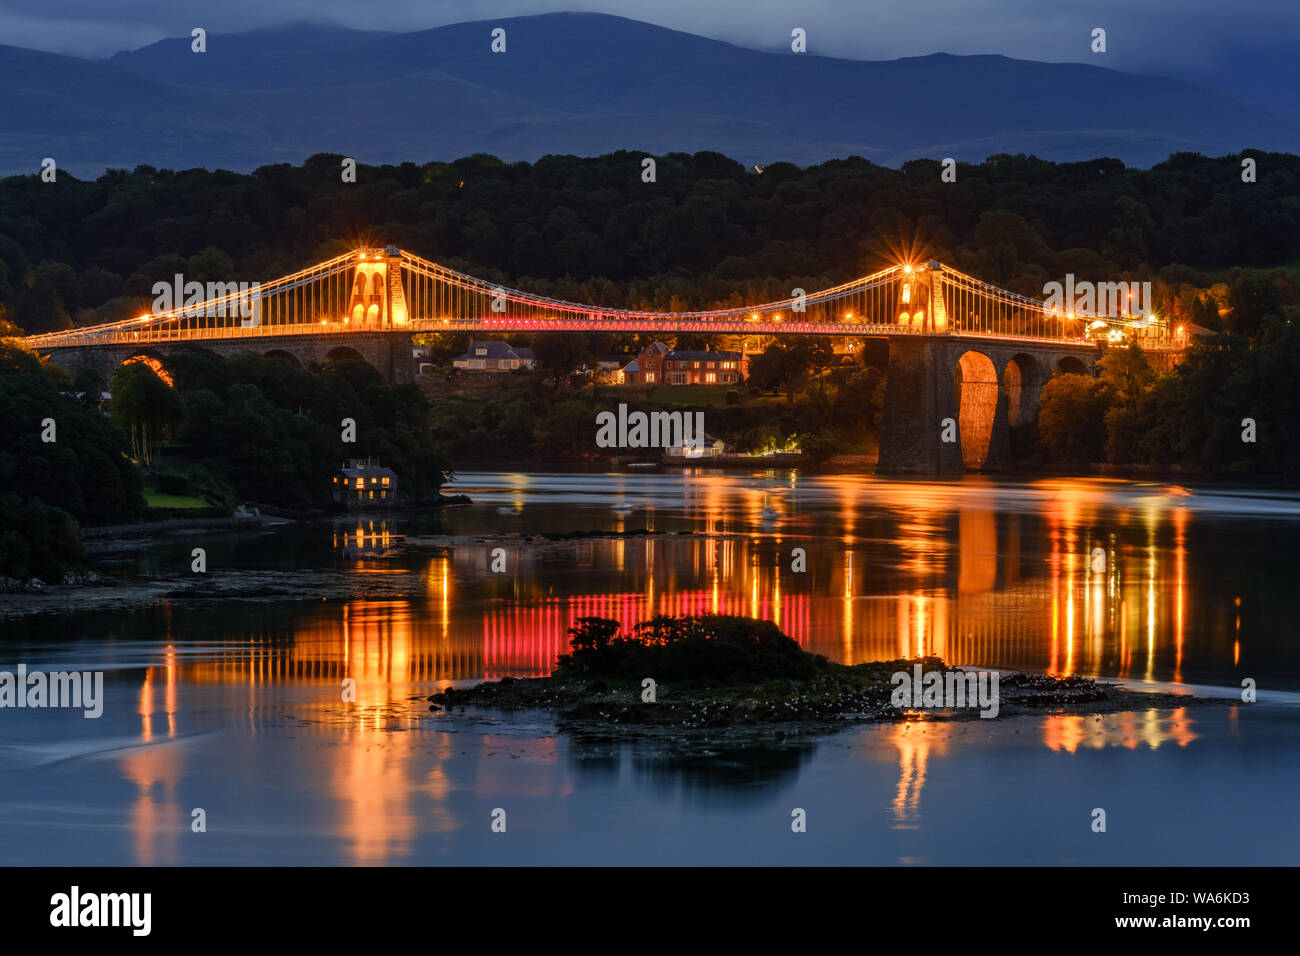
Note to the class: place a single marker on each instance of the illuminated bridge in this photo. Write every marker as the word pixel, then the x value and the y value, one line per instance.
pixel 958 348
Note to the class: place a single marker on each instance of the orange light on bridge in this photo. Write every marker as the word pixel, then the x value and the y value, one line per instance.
pixel 848 315
pixel 907 268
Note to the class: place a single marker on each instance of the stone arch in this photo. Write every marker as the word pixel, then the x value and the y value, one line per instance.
pixel 1022 383
pixel 284 355
pixel 976 381
pixel 1070 365
pixel 153 358
pixel 139 354
pixel 344 353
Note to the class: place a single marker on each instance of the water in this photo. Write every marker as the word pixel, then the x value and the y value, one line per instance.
pixel 227 698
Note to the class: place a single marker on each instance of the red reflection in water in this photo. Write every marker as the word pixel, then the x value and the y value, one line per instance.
pixel 526 641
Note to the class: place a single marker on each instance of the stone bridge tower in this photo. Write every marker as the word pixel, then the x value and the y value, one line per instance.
pixel 378 300
pixel 920 299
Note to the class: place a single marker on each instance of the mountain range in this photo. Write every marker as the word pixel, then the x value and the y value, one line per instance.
pixel 585 84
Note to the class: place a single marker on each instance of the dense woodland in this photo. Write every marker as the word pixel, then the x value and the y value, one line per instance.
pixel 1221 253
pixel 706 233
pixel 222 431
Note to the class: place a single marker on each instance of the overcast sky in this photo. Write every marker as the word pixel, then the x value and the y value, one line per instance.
pixel 1175 36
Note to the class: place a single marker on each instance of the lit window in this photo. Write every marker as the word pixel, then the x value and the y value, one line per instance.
pixel 372 493
pixel 385 479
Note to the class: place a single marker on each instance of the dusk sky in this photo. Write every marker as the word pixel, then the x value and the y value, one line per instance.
pixel 1173 36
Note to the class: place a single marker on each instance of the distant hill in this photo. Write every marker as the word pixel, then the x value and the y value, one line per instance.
pixel 585 84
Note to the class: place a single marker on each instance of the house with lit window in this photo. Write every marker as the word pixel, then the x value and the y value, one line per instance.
pixel 364 483
pixel 609 370
pixel 709 447
pixel 660 365
pixel 494 356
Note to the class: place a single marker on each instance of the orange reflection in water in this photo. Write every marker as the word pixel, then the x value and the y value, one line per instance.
pixel 1129 729
pixel 947 574
pixel 917 742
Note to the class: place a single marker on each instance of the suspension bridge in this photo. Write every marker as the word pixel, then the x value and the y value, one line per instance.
pixel 958 348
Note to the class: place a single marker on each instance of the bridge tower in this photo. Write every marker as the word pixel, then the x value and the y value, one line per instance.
pixel 378 300
pixel 920 299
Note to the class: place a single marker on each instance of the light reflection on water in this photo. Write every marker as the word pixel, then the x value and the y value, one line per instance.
pixel 1102 579
pixel 1191 587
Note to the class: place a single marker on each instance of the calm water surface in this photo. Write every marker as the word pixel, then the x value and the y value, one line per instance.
pixel 227 698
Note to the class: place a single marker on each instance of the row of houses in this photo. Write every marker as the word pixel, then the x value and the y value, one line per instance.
pixel 656 364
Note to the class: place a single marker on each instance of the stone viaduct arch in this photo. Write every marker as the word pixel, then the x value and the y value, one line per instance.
pixel 984 387
pixel 1023 379
pixel 285 356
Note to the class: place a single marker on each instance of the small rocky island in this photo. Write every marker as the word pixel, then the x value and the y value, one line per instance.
pixel 713 671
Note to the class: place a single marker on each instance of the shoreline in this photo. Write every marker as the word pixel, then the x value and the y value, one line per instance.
pixel 864 466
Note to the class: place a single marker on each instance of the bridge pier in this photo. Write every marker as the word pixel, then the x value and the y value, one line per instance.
pixel 966 389
pixel 919 396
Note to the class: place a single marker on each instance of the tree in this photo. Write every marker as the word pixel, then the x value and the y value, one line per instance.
pixel 787 364
pixel 89 384
pixel 560 354
pixel 443 346
pixel 1251 298
pixel 1072 418
pixel 145 406
pixel 85 475
pixel 1126 371
pixel 567 431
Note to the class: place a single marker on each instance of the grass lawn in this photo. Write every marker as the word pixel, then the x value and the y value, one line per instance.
pixel 156 499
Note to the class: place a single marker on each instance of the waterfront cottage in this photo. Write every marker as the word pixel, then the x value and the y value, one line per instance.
pixel 494 356
pixel 709 447
pixel 364 483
